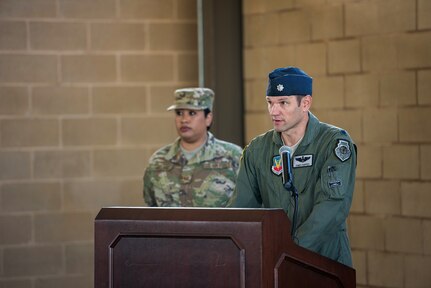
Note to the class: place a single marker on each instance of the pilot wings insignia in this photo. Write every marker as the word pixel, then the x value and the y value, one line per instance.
pixel 303 158
pixel 303 161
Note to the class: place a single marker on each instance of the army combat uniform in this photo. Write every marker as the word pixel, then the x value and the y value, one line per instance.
pixel 323 167
pixel 206 180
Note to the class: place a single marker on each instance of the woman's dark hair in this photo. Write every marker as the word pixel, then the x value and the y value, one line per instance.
pixel 206 112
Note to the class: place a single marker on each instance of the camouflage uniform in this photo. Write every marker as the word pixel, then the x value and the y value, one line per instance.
pixel 206 180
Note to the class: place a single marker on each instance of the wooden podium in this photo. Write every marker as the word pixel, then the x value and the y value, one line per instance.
pixel 206 248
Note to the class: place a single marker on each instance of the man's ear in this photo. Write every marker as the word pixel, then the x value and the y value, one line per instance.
pixel 306 102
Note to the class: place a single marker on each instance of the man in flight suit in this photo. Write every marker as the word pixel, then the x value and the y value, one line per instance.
pixel 323 166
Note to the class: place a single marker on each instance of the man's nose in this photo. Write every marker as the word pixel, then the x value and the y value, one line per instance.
pixel 273 109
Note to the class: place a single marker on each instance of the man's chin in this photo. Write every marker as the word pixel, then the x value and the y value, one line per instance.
pixel 278 129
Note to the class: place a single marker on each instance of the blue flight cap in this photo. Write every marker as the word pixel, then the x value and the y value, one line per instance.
pixel 289 81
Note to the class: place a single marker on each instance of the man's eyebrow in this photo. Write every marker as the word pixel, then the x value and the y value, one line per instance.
pixel 277 99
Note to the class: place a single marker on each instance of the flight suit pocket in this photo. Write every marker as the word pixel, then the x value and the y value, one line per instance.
pixel 333 182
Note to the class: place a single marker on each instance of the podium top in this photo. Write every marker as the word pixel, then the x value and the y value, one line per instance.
pixel 188 214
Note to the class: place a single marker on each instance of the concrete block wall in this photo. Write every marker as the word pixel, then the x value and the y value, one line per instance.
pixel 84 86
pixel 371 64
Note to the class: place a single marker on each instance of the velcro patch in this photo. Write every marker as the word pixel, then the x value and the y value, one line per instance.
pixel 277 167
pixel 342 151
pixel 303 161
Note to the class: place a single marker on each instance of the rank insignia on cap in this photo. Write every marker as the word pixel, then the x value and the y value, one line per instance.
pixel 342 151
pixel 280 87
pixel 276 167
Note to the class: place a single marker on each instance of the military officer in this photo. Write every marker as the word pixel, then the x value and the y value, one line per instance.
pixel 323 165
pixel 197 169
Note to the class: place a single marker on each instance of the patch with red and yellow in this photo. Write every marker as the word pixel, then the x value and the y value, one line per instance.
pixel 277 167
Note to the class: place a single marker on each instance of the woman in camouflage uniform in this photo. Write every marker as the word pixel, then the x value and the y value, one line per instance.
pixel 197 169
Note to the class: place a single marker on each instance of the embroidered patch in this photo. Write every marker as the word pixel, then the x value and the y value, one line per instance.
pixel 303 161
pixel 276 167
pixel 342 151
pixel 334 184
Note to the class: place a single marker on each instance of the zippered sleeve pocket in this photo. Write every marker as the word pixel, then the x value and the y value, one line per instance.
pixel 333 182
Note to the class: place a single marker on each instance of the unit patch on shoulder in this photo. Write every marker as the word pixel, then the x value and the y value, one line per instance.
pixel 276 167
pixel 342 151
pixel 303 161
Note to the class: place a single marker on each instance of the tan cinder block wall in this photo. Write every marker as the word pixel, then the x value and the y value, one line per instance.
pixel 85 83
pixel 84 86
pixel 371 63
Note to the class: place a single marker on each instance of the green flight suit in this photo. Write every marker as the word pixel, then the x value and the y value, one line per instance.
pixel 323 167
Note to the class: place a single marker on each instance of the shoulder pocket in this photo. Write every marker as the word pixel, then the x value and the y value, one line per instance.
pixel 333 182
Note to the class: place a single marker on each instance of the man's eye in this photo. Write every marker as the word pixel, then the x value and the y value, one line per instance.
pixel 192 113
pixel 178 113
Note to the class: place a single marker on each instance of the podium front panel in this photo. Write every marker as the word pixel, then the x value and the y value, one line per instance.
pixel 175 261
